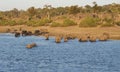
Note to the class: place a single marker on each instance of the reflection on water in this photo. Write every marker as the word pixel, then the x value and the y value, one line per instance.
pixel 72 56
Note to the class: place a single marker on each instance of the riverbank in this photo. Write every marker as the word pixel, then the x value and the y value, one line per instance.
pixel 96 31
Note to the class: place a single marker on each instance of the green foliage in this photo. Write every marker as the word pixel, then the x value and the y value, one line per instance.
pixel 55 24
pixel 31 11
pixel 107 22
pixel 7 22
pixel 118 23
pixel 68 22
pixel 41 22
pixel 111 9
pixel 89 22
pixel 21 22
pixel 74 9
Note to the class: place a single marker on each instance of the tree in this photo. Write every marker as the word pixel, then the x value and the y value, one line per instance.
pixel 48 7
pixel 74 9
pixel 88 8
pixel 15 12
pixel 95 7
pixel 32 12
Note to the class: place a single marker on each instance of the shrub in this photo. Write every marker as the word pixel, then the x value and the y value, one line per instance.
pixel 68 22
pixel 7 22
pixel 30 23
pixel 2 22
pixel 89 22
pixel 118 23
pixel 107 23
pixel 41 22
pixel 21 22
pixel 55 24
pixel 11 23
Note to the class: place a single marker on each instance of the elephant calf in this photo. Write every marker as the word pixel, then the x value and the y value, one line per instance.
pixel 31 45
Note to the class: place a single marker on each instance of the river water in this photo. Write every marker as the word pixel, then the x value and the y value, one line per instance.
pixel 72 56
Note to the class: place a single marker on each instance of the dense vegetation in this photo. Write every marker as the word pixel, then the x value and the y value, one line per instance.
pixel 87 16
pixel 89 22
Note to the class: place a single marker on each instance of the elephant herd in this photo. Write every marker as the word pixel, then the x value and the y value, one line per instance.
pixel 21 32
pixel 83 38
pixel 18 33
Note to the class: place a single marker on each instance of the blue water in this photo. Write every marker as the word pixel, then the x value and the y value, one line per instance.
pixel 72 56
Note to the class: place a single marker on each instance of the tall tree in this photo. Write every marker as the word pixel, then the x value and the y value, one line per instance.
pixel 48 7
pixel 95 7
pixel 74 9
pixel 15 12
pixel 88 8
pixel 31 11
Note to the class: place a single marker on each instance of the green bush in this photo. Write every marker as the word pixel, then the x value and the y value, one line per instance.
pixel 68 22
pixel 12 23
pixel 2 22
pixel 41 22
pixel 89 22
pixel 21 22
pixel 118 23
pixel 55 24
pixel 31 23
pixel 107 23
pixel 7 22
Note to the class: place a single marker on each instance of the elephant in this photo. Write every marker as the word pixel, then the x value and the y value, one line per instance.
pixel 31 45
pixel 37 32
pixel 57 39
pixel 47 36
pixel 92 39
pixel 29 33
pixel 65 39
pixel 83 38
pixel 17 34
pixel 70 36
pixel 103 38
pixel 24 33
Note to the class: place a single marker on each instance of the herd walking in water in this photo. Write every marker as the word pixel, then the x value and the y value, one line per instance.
pixel 66 37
